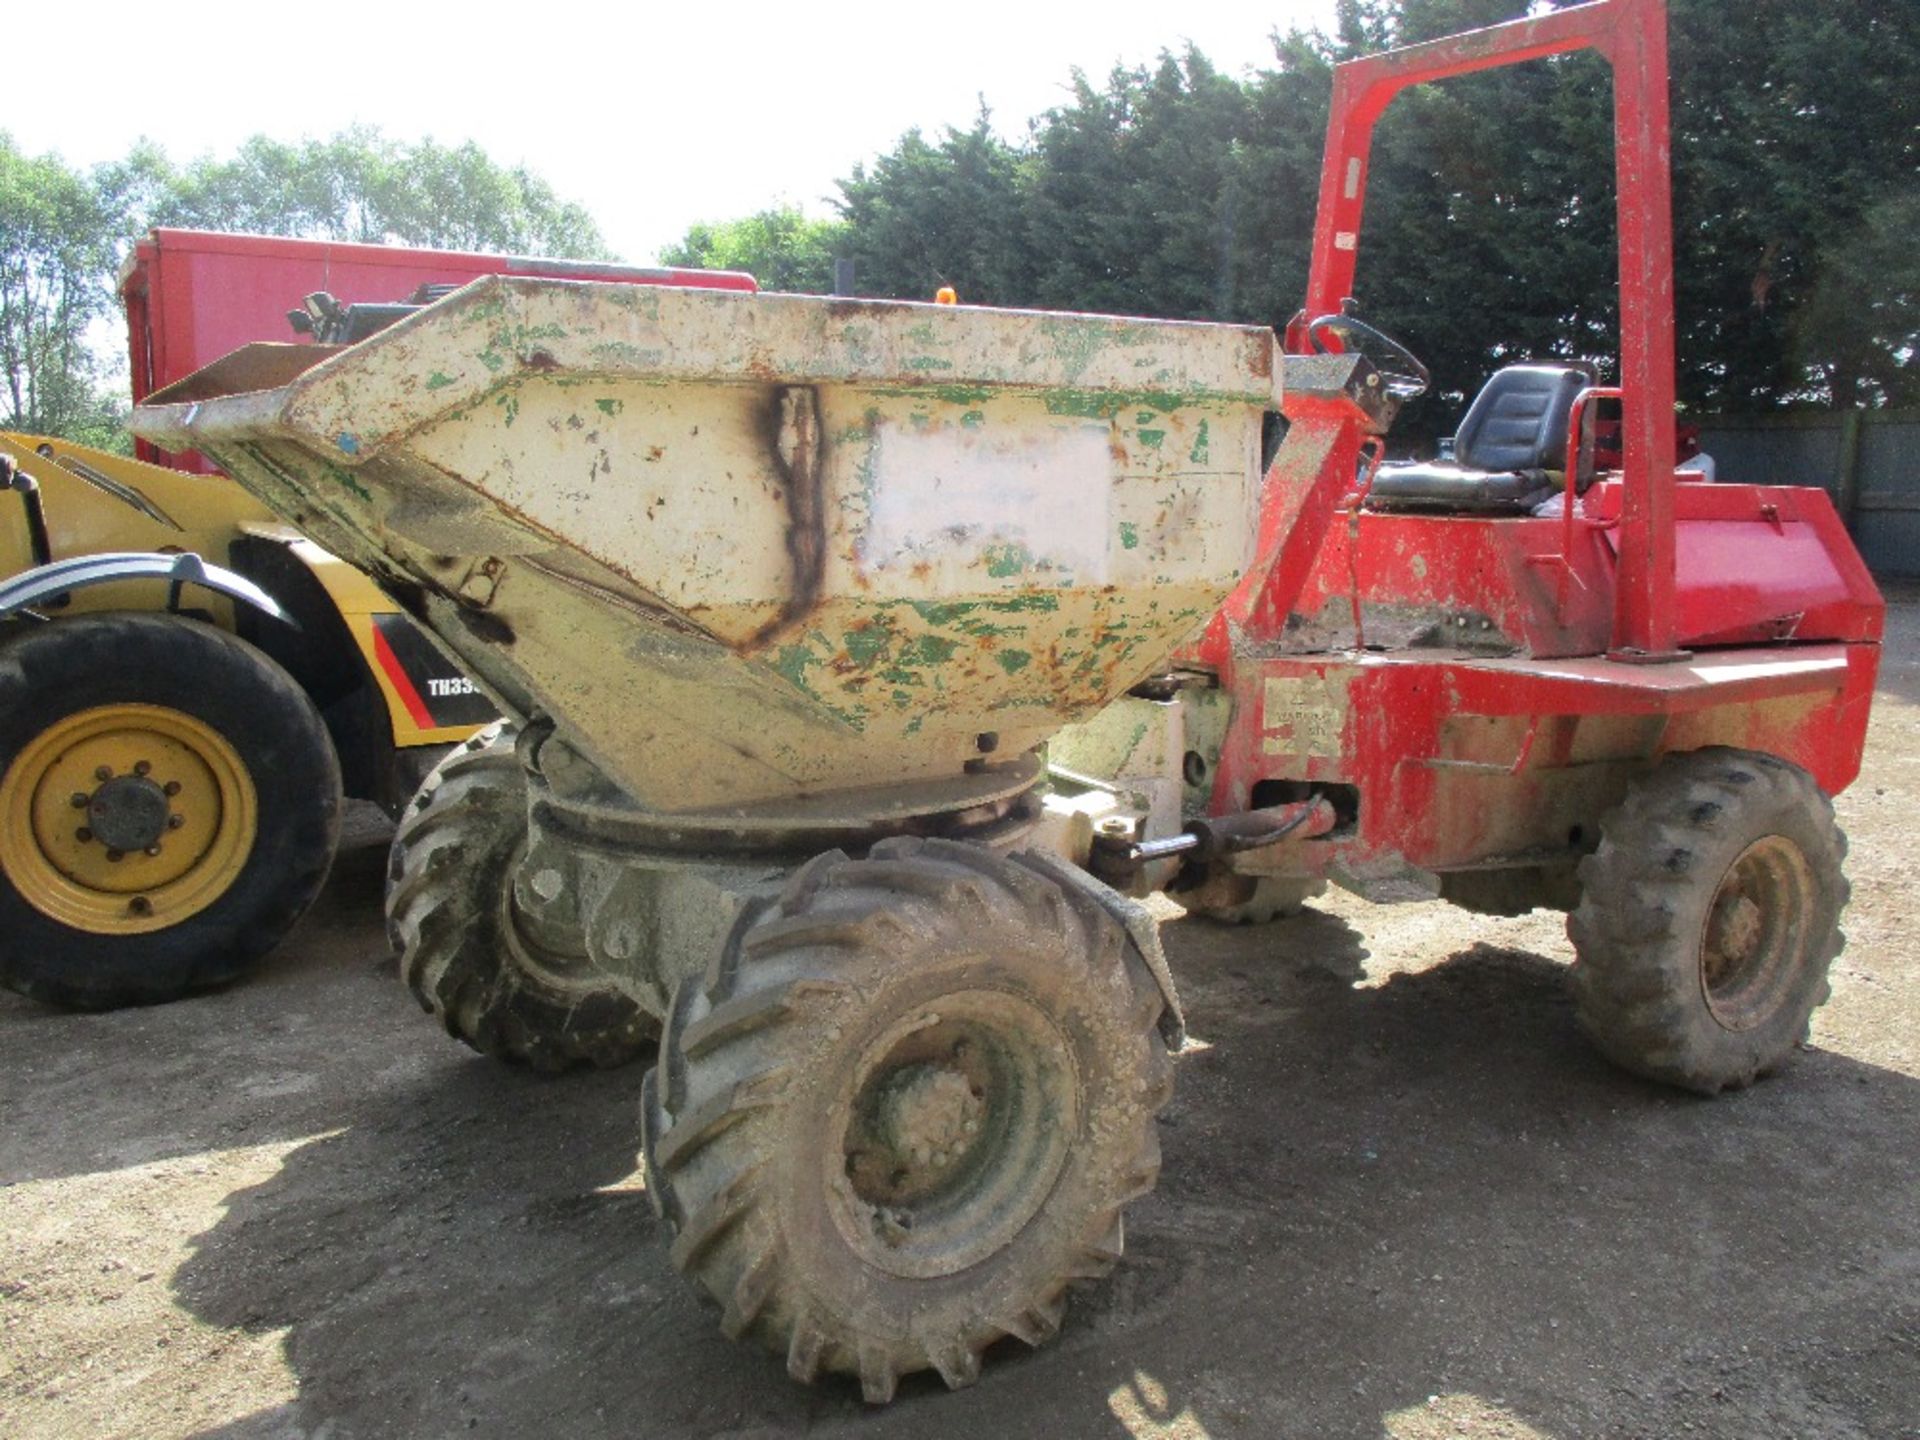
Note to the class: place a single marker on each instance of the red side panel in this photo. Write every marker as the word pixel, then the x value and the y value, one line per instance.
pixel 1757 563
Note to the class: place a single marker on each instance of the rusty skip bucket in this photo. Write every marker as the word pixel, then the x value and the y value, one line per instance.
pixel 748 549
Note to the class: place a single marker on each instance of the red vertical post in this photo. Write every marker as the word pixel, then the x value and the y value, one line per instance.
pixel 1643 620
pixel 1359 97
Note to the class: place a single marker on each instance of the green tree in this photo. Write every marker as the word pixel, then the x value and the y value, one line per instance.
pixel 358 185
pixel 1797 146
pixel 781 248
pixel 951 213
pixel 63 231
pixel 56 262
pixel 1140 193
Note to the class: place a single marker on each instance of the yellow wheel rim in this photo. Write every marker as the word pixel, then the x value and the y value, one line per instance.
pixel 126 819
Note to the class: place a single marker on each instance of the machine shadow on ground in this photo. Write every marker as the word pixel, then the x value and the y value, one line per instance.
pixel 248 1064
pixel 1385 1207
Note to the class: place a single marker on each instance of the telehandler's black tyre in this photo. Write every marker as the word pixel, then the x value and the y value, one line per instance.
pixel 902 1112
pixel 169 807
pixel 450 917
pixel 1708 919
pixel 1268 898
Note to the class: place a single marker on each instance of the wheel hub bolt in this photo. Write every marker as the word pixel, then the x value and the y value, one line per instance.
pixel 142 767
pixel 153 849
pixel 172 787
pixel 140 905
pixel 83 835
pixel 79 800
pixel 116 854
pixel 103 772
pixel 174 822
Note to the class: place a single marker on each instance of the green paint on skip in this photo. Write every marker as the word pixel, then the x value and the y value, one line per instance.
pixel 1152 439
pixel 1198 455
pixel 1007 560
pixel 961 395
pixel 792 663
pixel 947 612
pixel 924 363
pixel 1013 661
pixel 1110 404
pixel 866 646
pixel 439 381
pixel 927 650
pixel 973 419
pixel 345 478
pixel 610 407
pixel 1129 535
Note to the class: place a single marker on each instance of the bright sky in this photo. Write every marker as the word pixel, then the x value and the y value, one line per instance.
pixel 651 117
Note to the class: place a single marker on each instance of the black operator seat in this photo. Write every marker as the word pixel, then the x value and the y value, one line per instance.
pixel 1509 455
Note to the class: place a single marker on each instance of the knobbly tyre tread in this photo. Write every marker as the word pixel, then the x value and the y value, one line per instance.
pixel 1644 893
pixel 53 670
pixel 1274 897
pixel 729 1086
pixel 448 873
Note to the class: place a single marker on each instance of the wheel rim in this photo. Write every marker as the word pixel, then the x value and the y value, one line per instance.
pixel 1756 932
pixel 957 1131
pixel 126 819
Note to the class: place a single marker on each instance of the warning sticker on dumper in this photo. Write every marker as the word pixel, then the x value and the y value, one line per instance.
pixel 1302 716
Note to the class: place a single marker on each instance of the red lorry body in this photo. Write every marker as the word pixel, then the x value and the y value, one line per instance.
pixel 193 296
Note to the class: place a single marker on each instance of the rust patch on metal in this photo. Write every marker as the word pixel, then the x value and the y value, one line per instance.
pixel 796 454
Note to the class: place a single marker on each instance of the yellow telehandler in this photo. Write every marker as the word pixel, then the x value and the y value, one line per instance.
pixel 176 735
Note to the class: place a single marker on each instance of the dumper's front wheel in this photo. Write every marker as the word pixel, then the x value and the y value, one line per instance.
pixel 1708 919
pixel 902 1112
pixel 451 917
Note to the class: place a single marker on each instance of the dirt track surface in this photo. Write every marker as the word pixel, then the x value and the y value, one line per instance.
pixel 1401 1198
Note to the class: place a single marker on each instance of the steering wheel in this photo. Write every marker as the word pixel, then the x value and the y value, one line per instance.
pixel 1405 377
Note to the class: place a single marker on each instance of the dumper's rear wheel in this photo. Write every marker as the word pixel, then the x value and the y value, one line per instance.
pixel 902 1112
pixel 451 917
pixel 169 807
pixel 1708 919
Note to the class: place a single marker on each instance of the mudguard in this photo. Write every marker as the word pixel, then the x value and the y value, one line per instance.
pixel 62 577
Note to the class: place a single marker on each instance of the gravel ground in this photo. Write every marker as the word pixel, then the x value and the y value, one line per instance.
pixel 1401 1198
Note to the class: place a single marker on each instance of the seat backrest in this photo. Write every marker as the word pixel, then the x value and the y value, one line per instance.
pixel 1519 420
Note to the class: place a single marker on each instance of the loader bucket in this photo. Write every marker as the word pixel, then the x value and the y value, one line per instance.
pixel 750 549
